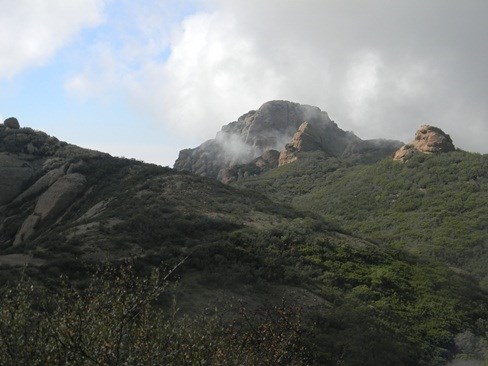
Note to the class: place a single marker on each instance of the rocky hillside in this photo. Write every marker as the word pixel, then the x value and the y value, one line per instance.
pixel 248 146
pixel 40 179
pixel 64 208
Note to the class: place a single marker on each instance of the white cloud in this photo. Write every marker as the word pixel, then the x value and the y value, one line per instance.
pixel 103 70
pixel 380 68
pixel 361 84
pixel 31 31
pixel 212 72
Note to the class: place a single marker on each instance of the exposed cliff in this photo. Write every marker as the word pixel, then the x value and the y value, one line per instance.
pixel 272 127
pixel 269 128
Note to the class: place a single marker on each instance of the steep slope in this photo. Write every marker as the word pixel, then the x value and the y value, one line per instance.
pixel 272 127
pixel 369 305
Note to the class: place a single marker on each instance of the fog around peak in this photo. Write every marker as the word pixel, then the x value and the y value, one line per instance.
pixel 378 68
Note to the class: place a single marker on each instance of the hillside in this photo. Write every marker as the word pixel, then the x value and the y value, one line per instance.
pixel 363 303
pixel 433 205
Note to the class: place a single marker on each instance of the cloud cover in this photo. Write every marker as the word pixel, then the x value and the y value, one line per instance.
pixel 31 31
pixel 380 68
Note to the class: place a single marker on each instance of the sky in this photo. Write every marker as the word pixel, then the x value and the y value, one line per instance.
pixel 146 78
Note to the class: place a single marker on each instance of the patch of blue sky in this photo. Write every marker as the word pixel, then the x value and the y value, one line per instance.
pixel 39 99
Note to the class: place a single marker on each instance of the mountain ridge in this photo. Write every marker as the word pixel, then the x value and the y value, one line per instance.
pixel 277 125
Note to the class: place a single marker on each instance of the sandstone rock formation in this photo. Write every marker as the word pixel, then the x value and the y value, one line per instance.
pixel 315 136
pixel 42 184
pixel 59 196
pixel 239 148
pixel 240 142
pixel 40 178
pixel 12 123
pixel 428 140
pixel 52 203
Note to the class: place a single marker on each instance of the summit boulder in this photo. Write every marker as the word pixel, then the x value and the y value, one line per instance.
pixel 11 123
pixel 428 140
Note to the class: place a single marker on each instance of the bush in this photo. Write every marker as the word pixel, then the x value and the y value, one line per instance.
pixel 117 319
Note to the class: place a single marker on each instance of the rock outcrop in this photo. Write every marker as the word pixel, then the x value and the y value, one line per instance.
pixel 271 127
pixel 59 196
pixel 52 203
pixel 11 123
pixel 254 133
pixel 42 184
pixel 315 136
pixel 40 178
pixel 428 140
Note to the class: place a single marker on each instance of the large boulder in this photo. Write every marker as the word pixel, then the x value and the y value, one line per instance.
pixel 60 196
pixel 12 123
pixel 428 140
pixel 315 136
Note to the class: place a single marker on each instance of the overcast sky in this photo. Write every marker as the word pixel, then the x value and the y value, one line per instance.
pixel 146 78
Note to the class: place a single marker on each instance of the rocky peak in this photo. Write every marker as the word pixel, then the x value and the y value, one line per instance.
pixel 240 142
pixel 239 149
pixel 40 174
pixel 428 140
pixel 273 124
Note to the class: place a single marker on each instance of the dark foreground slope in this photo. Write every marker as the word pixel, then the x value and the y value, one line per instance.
pixel 363 304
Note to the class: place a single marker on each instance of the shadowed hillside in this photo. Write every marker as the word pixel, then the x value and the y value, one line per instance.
pixel 362 304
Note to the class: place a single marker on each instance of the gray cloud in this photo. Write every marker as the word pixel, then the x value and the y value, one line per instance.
pixel 32 31
pixel 379 68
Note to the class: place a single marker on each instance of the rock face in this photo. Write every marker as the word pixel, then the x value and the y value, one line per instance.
pixel 237 146
pixel 42 184
pixel 40 179
pixel 12 123
pixel 428 140
pixel 315 136
pixel 254 133
pixel 52 203
pixel 59 196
